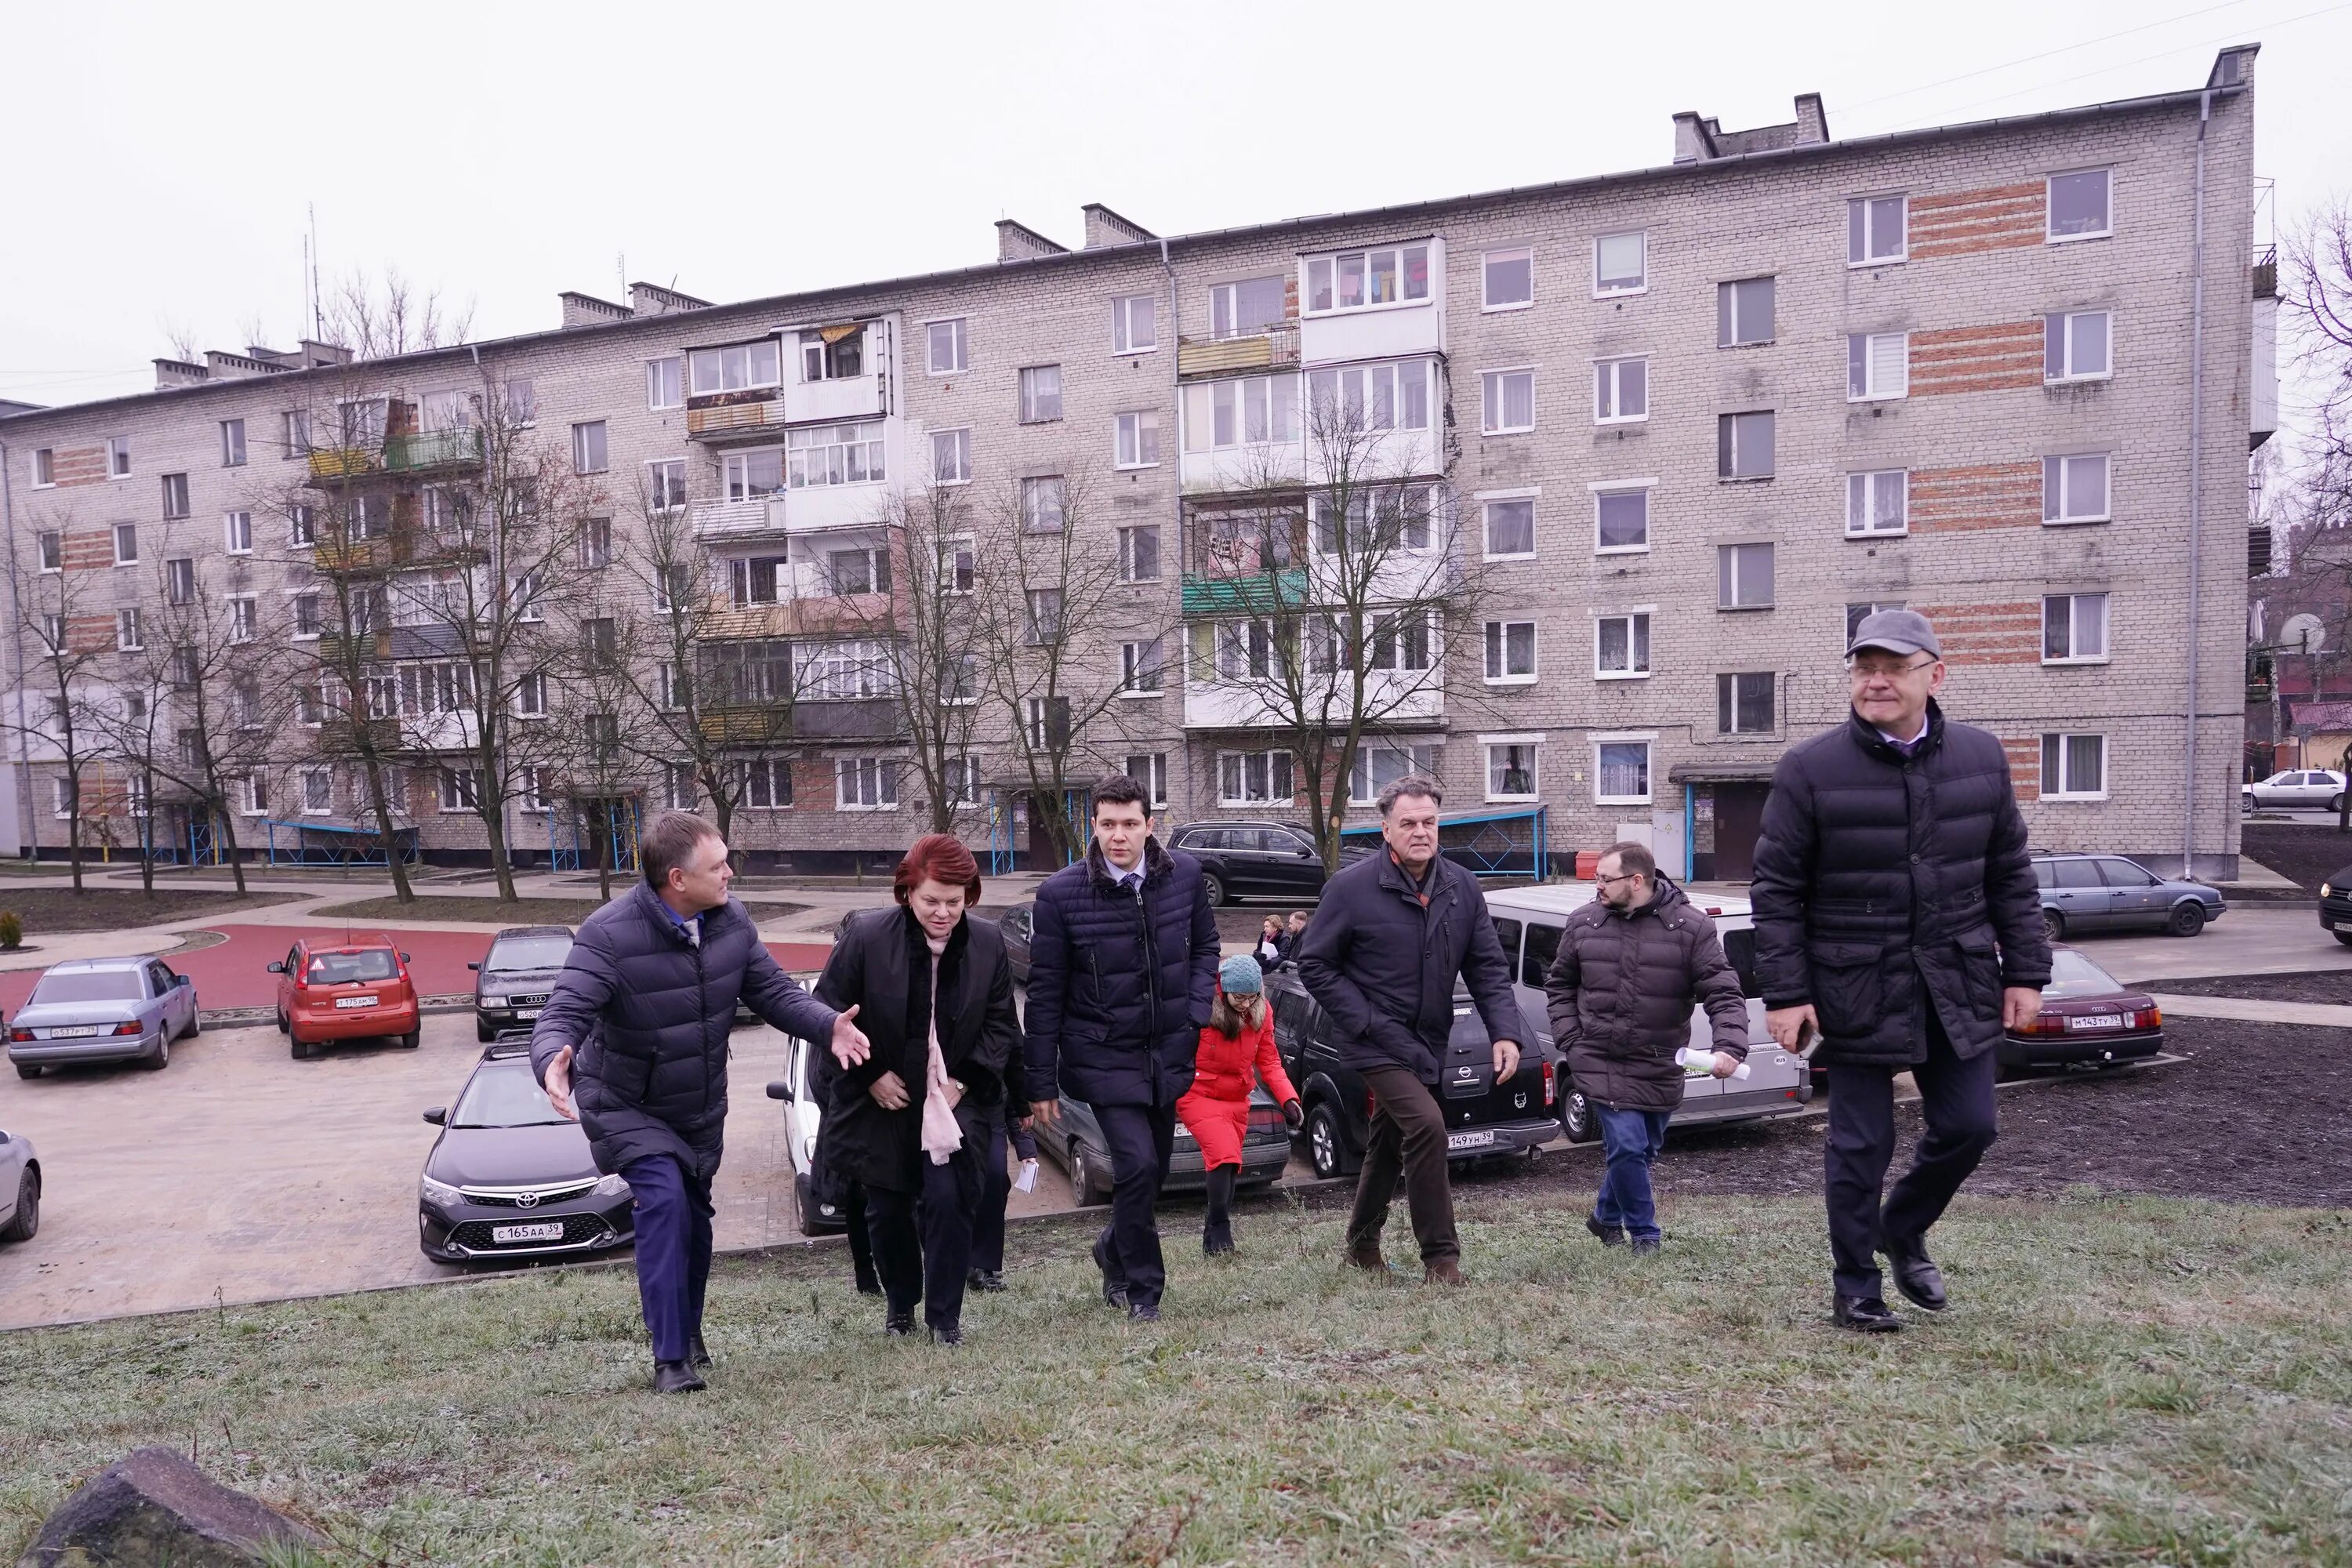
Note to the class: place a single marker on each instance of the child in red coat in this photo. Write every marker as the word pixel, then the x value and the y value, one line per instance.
pixel 1236 1047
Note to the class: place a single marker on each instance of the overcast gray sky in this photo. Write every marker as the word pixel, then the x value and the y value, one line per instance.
pixel 163 155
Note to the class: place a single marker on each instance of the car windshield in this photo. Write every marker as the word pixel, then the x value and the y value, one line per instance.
pixel 352 968
pixel 2073 975
pixel 504 1094
pixel 528 952
pixel 88 985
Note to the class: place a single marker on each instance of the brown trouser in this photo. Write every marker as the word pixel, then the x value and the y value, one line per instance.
pixel 1408 1136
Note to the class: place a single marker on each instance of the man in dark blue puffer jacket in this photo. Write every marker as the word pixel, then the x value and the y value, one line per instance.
pixel 1122 969
pixel 633 1044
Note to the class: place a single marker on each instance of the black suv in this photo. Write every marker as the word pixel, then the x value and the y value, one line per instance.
pixel 1253 859
pixel 1481 1116
pixel 515 978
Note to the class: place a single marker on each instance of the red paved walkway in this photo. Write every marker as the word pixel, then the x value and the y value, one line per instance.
pixel 236 972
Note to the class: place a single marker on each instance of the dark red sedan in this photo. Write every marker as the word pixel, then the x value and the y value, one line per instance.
pixel 2088 1020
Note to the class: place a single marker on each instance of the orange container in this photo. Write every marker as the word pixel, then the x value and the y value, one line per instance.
pixel 1588 861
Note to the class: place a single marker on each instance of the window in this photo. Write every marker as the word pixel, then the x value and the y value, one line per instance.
pixel 1510 653
pixel 598 642
pixel 1041 393
pixel 530 695
pixel 948 345
pixel 2074 628
pixel 1621 263
pixel 1149 768
pixel 1621 519
pixel 1621 772
pixel 1511 769
pixel 535 792
pixel 950 457
pixel 176 495
pixel 118 457
pixel 294 432
pixel 2078 205
pixel 1509 279
pixel 1380 764
pixel 680 791
pixel 1878 364
pixel 1248 306
pixel 134 789
pixel 1134 324
pixel 306 616
pixel 1139 554
pixel 256 795
pixel 1874 230
pixel 232 442
pixel 1743 446
pixel 1394 397
pixel 960 683
pixel 1041 504
pixel 318 791
pixel 1045 618
pixel 669 687
pixel 301 526
pixel 860 571
pixel 1857 614
pixel 370 608
pixel 460 789
pixel 1234 650
pixel 1141 669
pixel 665 483
pixel 45 468
pixel 1621 646
pixel 180 580
pixel 425 689
pixel 1138 442
pixel 1743 703
pixel 368 517
pixel 1510 528
pixel 1743 312
pixel 866 783
pixel 1743 576
pixel 834 455
pixel 51 544
pixel 126 544
pixel 735 369
pixel 1392 518
pixel 1253 778
pixel 2073 767
pixel 1367 279
pixel 452 408
pixel 1254 408
pixel 2074 345
pixel 596 543
pixel 310 706
pixel 1511 401
pixel 749 476
pixel 1878 502
pixel 1621 391
pixel 61 797
pixel 588 447
pixel 527 588
pixel 240 618
pixel 53 632
pixel 959 563
pixel 755 580
pixel 236 532
pixel 603 733
pixel 832 353
pixel 127 631
pixel 666 382
pixel 2074 489
pixel 962 780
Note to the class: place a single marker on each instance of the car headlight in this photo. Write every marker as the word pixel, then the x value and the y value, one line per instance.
pixel 2323 890
pixel 440 1194
pixel 611 1186
pixel 494 1000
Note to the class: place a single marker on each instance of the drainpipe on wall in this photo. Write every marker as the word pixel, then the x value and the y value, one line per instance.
pixel 2196 484
pixel 27 825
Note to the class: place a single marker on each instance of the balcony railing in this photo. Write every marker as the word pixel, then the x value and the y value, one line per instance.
pixel 432 450
pixel 739 519
pixel 723 413
pixel 746 723
pixel 1256 592
pixel 345 462
pixel 1273 348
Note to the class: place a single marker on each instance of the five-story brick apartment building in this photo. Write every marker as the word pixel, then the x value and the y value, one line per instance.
pixel 1635 451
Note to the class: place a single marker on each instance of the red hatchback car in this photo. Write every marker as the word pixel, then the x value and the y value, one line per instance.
pixel 359 988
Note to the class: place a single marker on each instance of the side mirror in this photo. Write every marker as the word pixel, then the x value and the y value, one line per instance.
pixel 405 959
pixel 181 980
pixel 476 968
pixel 277 966
pixel 438 1116
pixel 780 1089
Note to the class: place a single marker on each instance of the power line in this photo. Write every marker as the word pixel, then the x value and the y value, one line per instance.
pixel 2046 54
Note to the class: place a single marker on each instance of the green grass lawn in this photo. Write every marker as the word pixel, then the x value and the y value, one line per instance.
pixel 2125 1381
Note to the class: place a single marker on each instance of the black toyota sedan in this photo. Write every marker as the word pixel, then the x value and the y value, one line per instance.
pixel 515 978
pixel 2335 906
pixel 509 1177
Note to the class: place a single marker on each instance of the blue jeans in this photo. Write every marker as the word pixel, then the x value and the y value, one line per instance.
pixel 1630 1139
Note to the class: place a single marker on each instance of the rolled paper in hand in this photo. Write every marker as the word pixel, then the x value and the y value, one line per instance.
pixel 1704 1061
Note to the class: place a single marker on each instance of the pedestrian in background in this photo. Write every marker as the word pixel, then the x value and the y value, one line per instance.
pixel 1391 933
pixel 1122 969
pixel 1293 931
pixel 1630 964
pixel 1236 1053
pixel 1268 952
pixel 1896 916
pixel 909 1123
pixel 633 1044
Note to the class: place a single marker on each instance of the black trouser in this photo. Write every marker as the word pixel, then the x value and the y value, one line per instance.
pixel 922 1237
pixel 1140 1138
pixel 1407 1139
pixel 1955 1101
pixel 852 1196
pixel 996 1192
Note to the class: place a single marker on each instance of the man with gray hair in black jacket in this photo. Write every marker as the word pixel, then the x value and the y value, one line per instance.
pixel 633 1045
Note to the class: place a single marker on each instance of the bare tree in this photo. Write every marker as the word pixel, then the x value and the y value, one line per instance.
pixel 131 725
pixel 607 740
pixel 70 642
pixel 2317 291
pixel 377 317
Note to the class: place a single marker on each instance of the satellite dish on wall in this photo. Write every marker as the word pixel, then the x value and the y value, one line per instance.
pixel 2302 633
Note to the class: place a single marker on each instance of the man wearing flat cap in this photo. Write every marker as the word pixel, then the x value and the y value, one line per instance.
pixel 1897 921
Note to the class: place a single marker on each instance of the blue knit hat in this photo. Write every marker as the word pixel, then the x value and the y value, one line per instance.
pixel 1240 977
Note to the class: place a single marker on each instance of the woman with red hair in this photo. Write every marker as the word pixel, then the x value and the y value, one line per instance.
pixel 910 1123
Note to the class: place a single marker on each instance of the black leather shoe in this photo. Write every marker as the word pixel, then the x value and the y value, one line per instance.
pixel 950 1335
pixel 1143 1312
pixel 868 1285
pixel 677 1377
pixel 700 1354
pixel 1916 1275
pixel 1114 1290
pixel 1609 1235
pixel 899 1325
pixel 984 1279
pixel 1866 1315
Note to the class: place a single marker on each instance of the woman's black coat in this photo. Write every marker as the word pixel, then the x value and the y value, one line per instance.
pixel 882 966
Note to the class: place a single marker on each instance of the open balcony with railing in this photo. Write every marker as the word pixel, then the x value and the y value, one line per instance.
pixel 1270 347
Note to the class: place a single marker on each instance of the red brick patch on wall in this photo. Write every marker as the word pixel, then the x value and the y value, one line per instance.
pixel 77 464
pixel 1976 359
pixel 88 549
pixel 1997 217
pixel 90 634
pixel 2006 633
pixel 1986 495
pixel 2024 764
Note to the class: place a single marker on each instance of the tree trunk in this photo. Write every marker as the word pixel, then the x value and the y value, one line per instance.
pixel 73 827
pixel 147 837
pixel 400 888
pixel 608 850
pixel 227 828
pixel 494 824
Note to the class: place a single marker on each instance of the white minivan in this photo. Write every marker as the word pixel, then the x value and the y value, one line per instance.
pixel 1528 921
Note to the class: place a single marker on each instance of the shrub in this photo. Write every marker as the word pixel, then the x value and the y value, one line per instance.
pixel 12 930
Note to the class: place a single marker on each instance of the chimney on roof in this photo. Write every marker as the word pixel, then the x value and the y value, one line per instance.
pixel 587 310
pixel 1104 227
pixel 1019 242
pixel 1702 139
pixel 653 300
pixel 227 366
pixel 2234 67
pixel 1692 144
pixel 1812 120
pixel 278 357
pixel 172 373
pixel 317 355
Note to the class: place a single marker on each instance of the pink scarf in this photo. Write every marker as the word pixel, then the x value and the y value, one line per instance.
pixel 942 1136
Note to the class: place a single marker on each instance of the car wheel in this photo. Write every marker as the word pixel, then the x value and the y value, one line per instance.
pixel 2053 925
pixel 2186 920
pixel 300 1048
pixel 483 1033
pixel 2245 803
pixel 2335 803
pixel 1082 1176
pixel 1326 1146
pixel 2343 936
pixel 27 1220
pixel 27 1069
pixel 160 1057
pixel 195 1025
pixel 1575 1118
pixel 1214 885
pixel 283 1027
pixel 409 1041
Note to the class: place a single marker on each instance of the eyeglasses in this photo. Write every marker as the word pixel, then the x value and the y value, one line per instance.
pixel 1859 672
pixel 1620 877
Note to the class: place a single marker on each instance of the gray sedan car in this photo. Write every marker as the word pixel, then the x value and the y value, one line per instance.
pixel 2082 894
pixel 102 1010
pixel 20 1188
